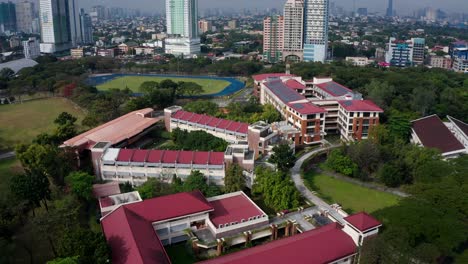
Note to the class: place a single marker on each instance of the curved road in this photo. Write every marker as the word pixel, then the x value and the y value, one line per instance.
pixel 299 182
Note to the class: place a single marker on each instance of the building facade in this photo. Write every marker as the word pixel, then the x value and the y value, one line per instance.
pixel 7 17
pixel 273 38
pixel 293 30
pixel 55 19
pixel 440 62
pixel 31 48
pixel 182 27
pixel 25 16
pixel 405 53
pixel 205 26
pixel 86 28
pixel 316 30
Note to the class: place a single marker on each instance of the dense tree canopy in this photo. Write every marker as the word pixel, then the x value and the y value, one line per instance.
pixel 234 180
pixel 283 157
pixel 81 184
pixel 197 140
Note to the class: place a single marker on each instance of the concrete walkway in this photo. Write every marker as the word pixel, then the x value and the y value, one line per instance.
pixel 299 182
pixel 7 155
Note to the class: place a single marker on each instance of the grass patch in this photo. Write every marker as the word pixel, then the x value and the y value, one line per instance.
pixel 179 254
pixel 353 198
pixel 22 122
pixel 133 83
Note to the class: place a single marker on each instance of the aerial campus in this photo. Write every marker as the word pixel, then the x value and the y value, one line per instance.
pixel 301 132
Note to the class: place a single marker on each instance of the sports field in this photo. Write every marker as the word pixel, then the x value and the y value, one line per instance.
pixel 20 123
pixel 210 86
pixel 353 198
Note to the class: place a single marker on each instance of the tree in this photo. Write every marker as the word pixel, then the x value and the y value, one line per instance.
pixel 270 114
pixel 190 89
pixel 283 157
pixel 6 73
pixel 202 107
pixel 234 180
pixel 90 247
pixel 65 118
pixel 390 175
pixel 149 86
pixel 68 260
pixel 33 187
pixel 380 92
pixel 366 155
pixel 195 181
pixel 81 184
pixel 341 164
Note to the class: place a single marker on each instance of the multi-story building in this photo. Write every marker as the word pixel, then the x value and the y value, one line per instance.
pixel 75 24
pixel 77 53
pixel 31 48
pixel 56 32
pixel 25 16
pixel 460 61
pixel 273 38
pixel 440 62
pixel 7 17
pixel 390 8
pixel 357 118
pixel 316 30
pixel 404 53
pixel 359 61
pixel 205 26
pixel 86 28
pixel 182 27
pixel 232 24
pixel 293 30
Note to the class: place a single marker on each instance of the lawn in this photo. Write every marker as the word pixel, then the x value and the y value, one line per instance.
pixel 20 123
pixel 179 255
pixel 133 83
pixel 353 198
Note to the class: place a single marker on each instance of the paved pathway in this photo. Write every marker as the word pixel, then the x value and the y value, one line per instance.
pixel 299 182
pixel 7 155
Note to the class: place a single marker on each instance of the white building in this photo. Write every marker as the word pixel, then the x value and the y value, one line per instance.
pixel 359 61
pixel 55 19
pixel 316 30
pixel 293 30
pixel 357 118
pixel 182 27
pixel 31 48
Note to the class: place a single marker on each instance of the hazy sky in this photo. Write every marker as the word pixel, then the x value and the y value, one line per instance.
pixel 373 5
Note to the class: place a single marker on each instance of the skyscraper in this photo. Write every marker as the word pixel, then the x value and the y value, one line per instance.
pixel 293 30
pixel 273 39
pixel 316 30
pixel 390 8
pixel 182 27
pixel 75 28
pixel 86 28
pixel 25 16
pixel 7 17
pixel 56 33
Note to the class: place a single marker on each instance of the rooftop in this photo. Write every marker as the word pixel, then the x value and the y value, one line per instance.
pixel 233 209
pixel 18 65
pixel 362 221
pixel 283 92
pixel 206 120
pixel 334 88
pixel 360 106
pixel 306 108
pixel 106 189
pixel 262 77
pixel 115 131
pixel 294 84
pixel 321 245
pixel 460 124
pixel 433 133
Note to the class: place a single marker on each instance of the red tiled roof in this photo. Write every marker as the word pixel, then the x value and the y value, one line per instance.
pixel 233 209
pixel 306 108
pixel 461 125
pixel 212 121
pixel 140 155
pixel 155 156
pixel 434 134
pixel 125 155
pixel 171 206
pixel 185 157
pixel 106 189
pixel 170 156
pixel 261 77
pixel 294 84
pixel 132 238
pixel 362 221
pixel 216 158
pixel 115 131
pixel 106 202
pixel 360 106
pixel 201 157
pixel 318 246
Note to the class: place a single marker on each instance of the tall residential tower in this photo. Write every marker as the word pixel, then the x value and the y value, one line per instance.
pixel 273 29
pixel 316 30
pixel 55 26
pixel 25 16
pixel 182 27
pixel 293 30
pixel 390 8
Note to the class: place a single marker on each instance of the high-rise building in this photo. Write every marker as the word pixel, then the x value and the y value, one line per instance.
pixel 56 33
pixel 316 30
pixel 293 30
pixel 182 27
pixel 86 28
pixel 390 8
pixel 7 17
pixel 205 26
pixel 273 38
pixel 403 53
pixel 362 11
pixel 25 16
pixel 75 28
pixel 31 48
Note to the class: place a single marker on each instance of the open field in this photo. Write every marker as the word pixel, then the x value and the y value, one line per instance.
pixel 351 197
pixel 20 123
pixel 134 82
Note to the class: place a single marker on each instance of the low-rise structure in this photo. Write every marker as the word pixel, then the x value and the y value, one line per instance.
pixel 359 61
pixel 441 62
pixel 31 48
pixel 77 53
pixel 450 138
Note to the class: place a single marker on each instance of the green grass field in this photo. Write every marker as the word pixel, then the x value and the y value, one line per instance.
pixel 353 198
pixel 134 82
pixel 20 123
